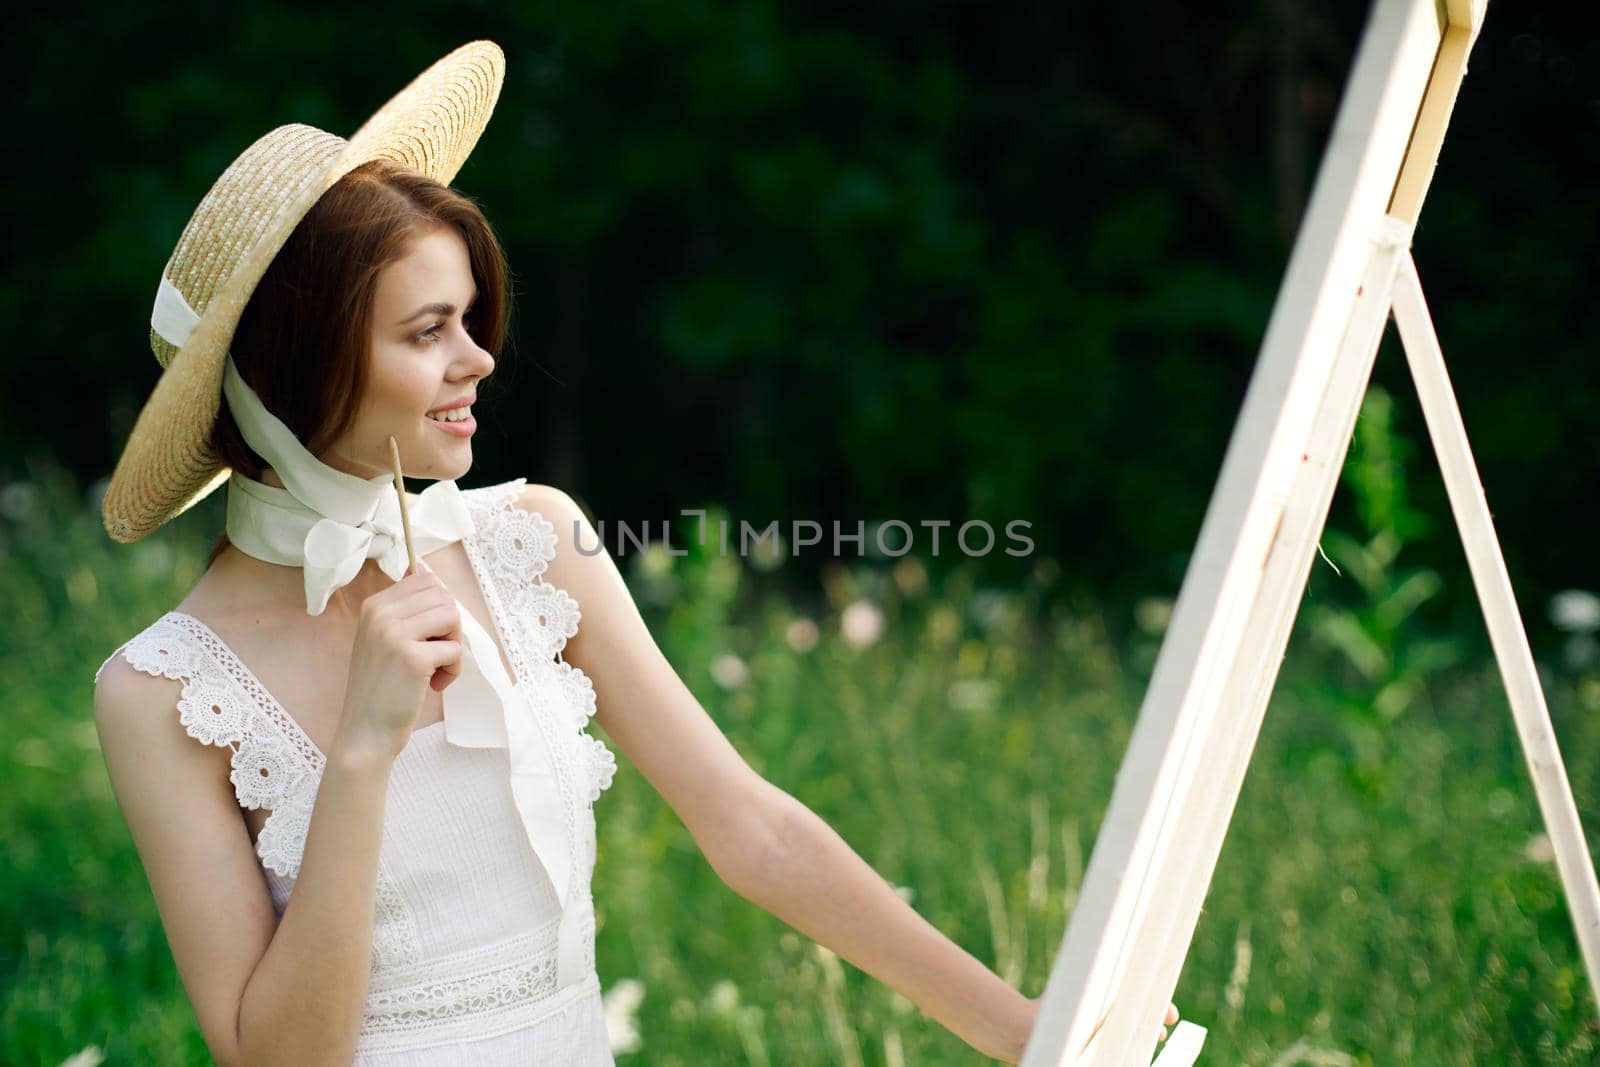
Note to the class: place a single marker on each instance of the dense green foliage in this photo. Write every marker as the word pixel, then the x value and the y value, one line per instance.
pixel 1384 896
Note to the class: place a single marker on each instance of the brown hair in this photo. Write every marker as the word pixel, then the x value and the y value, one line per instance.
pixel 302 340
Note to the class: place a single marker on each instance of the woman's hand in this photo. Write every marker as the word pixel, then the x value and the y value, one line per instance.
pixel 408 640
pixel 1171 1017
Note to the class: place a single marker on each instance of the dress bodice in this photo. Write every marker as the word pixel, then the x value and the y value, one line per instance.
pixel 465 917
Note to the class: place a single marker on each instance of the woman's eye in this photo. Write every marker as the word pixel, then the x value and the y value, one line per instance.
pixel 430 335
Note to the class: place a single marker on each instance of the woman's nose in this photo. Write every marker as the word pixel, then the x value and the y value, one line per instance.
pixel 478 361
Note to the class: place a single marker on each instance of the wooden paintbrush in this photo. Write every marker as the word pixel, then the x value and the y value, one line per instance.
pixel 405 516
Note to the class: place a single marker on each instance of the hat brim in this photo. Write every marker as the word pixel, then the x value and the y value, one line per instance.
pixel 168 465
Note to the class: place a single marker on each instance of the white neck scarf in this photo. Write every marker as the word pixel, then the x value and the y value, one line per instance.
pixel 329 523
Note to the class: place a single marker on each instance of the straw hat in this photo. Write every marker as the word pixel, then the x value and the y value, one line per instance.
pixel 168 465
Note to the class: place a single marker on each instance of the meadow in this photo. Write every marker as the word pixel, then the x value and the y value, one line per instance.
pixel 1385 894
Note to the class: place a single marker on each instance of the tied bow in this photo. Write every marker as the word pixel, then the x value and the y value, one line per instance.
pixel 335 551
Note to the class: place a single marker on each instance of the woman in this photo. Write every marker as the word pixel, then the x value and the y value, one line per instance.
pixel 406 745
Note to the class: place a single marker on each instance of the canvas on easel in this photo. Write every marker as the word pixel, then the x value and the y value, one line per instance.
pixel 1186 760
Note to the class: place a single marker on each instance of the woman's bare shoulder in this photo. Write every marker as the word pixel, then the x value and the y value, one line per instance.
pixel 552 502
pixel 138 718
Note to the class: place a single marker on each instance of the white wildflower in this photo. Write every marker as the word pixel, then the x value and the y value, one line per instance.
pixel 729 671
pixel 801 635
pixel 1575 610
pixel 724 998
pixel 620 1004
pixel 862 623
pixel 1539 849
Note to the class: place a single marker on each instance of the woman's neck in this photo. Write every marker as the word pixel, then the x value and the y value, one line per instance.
pixel 277 586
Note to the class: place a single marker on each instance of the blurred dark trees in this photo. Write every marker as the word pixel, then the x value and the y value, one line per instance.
pixel 893 260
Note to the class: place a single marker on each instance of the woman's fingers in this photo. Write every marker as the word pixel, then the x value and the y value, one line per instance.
pixel 450 669
pixel 1172 1017
pixel 438 655
pixel 436 621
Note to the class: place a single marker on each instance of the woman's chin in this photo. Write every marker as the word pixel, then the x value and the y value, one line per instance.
pixel 455 467
pixel 446 464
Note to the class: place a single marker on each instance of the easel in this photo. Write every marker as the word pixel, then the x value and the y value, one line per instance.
pixel 1178 784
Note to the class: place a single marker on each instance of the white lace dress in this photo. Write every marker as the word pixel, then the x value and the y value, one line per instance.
pixel 465 918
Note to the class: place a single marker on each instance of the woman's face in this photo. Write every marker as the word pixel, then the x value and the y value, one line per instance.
pixel 423 361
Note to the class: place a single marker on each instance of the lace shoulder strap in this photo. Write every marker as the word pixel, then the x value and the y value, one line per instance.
pixel 271 768
pixel 511 551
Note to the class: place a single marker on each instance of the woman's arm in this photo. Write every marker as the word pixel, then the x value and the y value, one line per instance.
pixel 762 842
pixel 304 1003
pixel 265 991
pixel 817 884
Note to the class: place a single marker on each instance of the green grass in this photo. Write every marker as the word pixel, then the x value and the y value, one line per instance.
pixel 1381 910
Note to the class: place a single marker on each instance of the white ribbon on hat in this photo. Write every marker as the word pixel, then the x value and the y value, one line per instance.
pixel 329 523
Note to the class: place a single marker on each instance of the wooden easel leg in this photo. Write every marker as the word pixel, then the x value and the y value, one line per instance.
pixel 1510 641
pixel 1196 818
